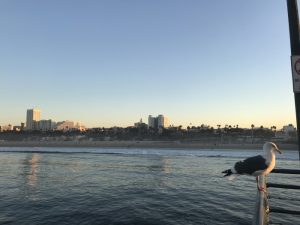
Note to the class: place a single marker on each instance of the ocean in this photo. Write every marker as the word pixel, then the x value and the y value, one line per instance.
pixel 134 186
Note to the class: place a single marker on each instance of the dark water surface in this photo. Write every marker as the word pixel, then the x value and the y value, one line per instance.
pixel 133 186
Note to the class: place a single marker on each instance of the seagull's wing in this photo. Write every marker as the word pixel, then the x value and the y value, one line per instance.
pixel 250 165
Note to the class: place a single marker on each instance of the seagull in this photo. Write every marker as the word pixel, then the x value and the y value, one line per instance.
pixel 260 165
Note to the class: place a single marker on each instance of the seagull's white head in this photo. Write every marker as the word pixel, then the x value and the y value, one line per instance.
pixel 271 147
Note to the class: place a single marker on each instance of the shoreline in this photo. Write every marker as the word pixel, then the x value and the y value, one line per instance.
pixel 140 144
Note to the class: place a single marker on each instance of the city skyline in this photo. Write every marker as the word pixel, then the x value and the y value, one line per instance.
pixel 34 121
pixel 110 63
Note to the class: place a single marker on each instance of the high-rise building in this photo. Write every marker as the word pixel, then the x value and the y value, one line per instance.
pixel 158 122
pixel 152 121
pixel 32 115
pixel 162 121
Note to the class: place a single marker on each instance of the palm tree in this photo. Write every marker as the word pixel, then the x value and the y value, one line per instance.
pixel 252 126
pixel 273 128
pixel 220 132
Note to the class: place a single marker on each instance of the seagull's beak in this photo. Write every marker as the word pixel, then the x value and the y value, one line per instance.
pixel 277 149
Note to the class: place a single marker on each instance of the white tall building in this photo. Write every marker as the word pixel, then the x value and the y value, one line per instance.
pixel 158 122
pixel 32 115
pixel 152 121
pixel 162 121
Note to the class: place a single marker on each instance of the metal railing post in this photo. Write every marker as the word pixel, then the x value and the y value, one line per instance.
pixel 261 215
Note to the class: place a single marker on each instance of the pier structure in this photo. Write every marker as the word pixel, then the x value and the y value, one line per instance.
pixel 294 29
pixel 262 208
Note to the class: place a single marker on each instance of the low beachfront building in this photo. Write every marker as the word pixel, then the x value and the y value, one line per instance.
pixel 69 125
pixel 8 127
pixel 140 124
pixel 44 125
pixel 287 132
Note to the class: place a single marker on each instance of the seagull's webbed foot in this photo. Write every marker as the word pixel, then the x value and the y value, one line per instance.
pixel 262 189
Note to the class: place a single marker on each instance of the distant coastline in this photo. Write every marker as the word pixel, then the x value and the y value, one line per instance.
pixel 139 144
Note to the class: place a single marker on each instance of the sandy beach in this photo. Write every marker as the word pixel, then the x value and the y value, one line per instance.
pixel 139 144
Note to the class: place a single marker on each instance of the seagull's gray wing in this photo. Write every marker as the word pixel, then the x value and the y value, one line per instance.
pixel 250 165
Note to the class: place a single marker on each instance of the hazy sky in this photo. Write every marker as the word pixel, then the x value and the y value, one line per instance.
pixel 108 63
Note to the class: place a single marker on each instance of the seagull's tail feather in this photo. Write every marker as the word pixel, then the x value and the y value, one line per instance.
pixel 229 174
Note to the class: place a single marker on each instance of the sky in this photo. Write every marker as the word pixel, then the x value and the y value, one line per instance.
pixel 110 63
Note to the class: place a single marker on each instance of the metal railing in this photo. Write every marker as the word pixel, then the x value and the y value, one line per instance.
pixel 262 208
pixel 261 214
